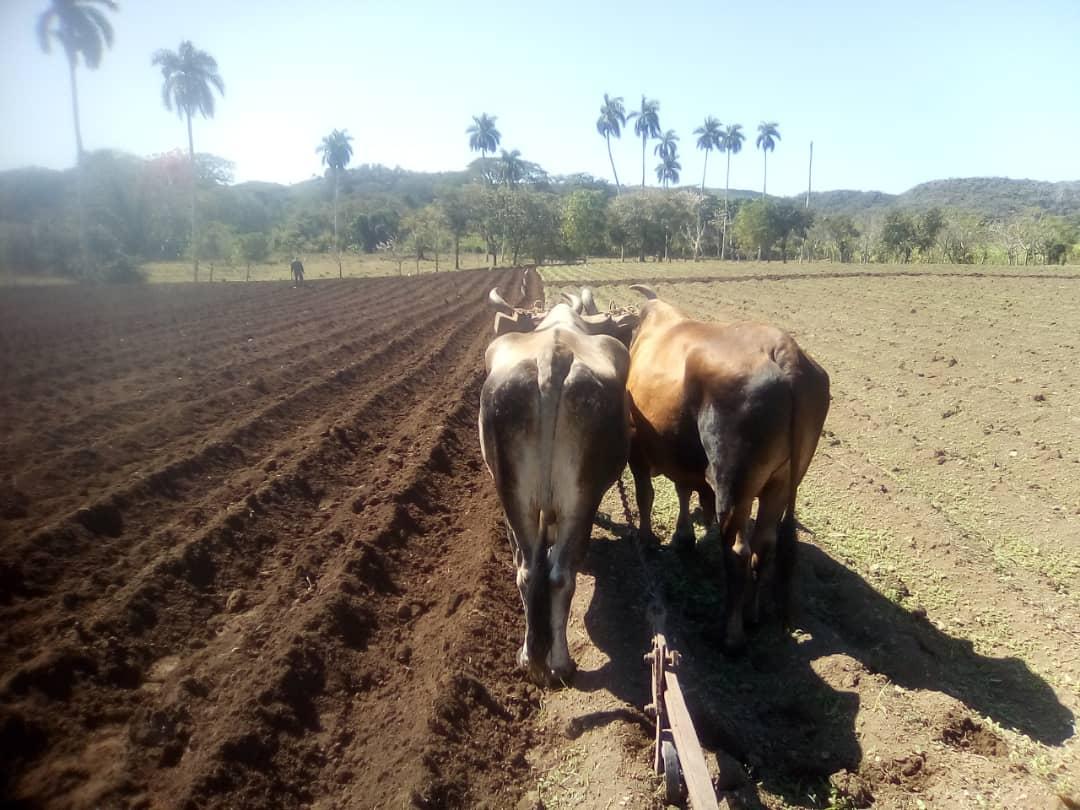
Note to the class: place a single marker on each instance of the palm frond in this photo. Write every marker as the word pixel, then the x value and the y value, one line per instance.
pixel 44 36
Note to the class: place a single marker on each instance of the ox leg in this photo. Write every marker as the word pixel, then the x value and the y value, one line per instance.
pixel 643 489
pixel 763 545
pixel 737 575
pixel 531 565
pixel 683 537
pixel 564 559
pixel 707 499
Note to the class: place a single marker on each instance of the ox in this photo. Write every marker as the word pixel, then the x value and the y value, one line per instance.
pixel 734 412
pixel 554 433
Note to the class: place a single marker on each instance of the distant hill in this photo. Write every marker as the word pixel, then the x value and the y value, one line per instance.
pixel 996 197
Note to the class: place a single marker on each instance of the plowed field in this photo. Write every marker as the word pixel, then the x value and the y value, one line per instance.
pixel 249 554
pixel 250 557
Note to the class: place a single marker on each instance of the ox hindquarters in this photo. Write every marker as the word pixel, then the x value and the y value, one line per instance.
pixel 553 447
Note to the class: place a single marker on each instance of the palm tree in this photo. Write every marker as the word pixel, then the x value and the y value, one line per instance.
pixel 483 137
pixel 709 135
pixel 768 135
pixel 668 144
pixel 731 142
pixel 336 151
pixel 646 125
pixel 189 75
pixel 611 121
pixel 80 28
pixel 667 171
pixel 511 167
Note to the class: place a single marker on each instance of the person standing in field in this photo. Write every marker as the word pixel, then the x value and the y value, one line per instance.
pixel 297 271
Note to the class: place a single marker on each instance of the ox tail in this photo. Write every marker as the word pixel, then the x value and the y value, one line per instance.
pixel 553 366
pixel 717 468
pixel 787 544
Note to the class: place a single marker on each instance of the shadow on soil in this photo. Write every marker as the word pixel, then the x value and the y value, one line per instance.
pixel 770 708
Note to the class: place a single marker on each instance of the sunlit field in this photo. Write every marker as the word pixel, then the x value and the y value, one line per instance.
pixel 315 266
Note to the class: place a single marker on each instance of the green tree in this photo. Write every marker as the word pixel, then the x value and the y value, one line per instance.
pixel 81 29
pixel 668 146
pixel 610 123
pixel 753 227
pixel 646 125
pixel 842 233
pixel 511 168
pixel 768 135
pixel 787 220
pixel 710 135
pixel 731 142
pixel 667 170
pixel 483 136
pixel 336 150
pixel 189 75
pixel 899 234
pixel 585 222
pixel 254 248
pixel 455 213
pixel 929 227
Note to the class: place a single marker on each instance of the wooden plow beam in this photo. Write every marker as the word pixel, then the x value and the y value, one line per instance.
pixel 677 754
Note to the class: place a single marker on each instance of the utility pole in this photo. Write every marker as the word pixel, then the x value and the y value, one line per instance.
pixel 810 174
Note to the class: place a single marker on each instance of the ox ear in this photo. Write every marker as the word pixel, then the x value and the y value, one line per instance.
pixel 588 303
pixel 645 290
pixel 498 303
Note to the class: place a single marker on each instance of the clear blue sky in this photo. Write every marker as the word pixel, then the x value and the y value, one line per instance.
pixel 892 94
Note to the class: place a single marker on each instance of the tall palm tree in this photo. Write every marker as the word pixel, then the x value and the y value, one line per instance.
pixel 611 121
pixel 646 125
pixel 768 135
pixel 511 167
pixel 189 75
pixel 483 137
pixel 80 28
pixel 336 151
pixel 709 135
pixel 667 170
pixel 668 144
pixel 731 142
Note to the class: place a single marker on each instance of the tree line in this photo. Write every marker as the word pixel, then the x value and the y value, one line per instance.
pixel 125 209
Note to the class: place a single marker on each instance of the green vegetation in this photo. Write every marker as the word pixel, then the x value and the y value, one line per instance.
pixel 768 135
pixel 82 30
pixel 188 75
pixel 129 211
pixel 336 151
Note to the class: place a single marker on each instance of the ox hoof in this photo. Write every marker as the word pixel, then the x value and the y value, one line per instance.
pixel 648 538
pixel 683 542
pixel 563 676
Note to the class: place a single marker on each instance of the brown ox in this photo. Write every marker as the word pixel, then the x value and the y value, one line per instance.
pixel 732 411
pixel 554 432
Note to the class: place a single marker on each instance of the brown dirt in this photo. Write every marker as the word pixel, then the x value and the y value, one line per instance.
pixel 936 658
pixel 250 556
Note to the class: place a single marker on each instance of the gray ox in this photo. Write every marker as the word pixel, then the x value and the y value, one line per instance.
pixel 554 432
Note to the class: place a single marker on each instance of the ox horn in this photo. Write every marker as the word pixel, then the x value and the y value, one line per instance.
pixel 499 303
pixel 645 290
pixel 575 302
pixel 587 302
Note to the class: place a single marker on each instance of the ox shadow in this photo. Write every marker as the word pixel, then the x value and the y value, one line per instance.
pixel 769 707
